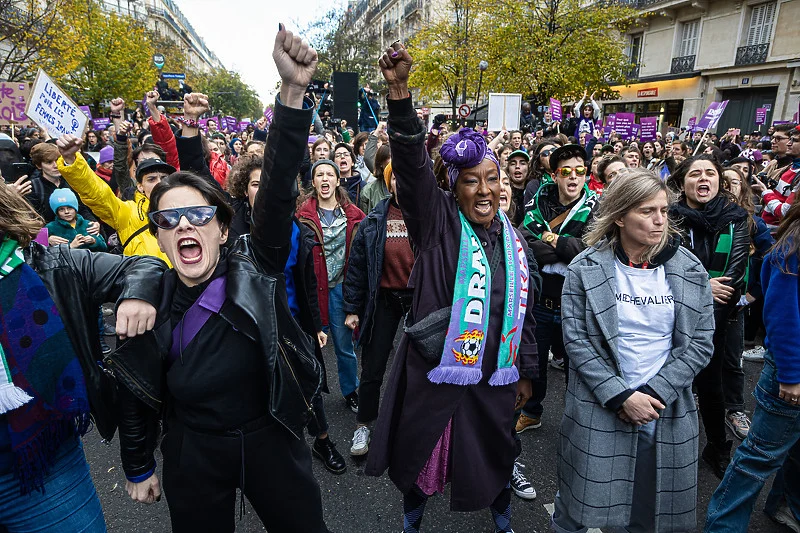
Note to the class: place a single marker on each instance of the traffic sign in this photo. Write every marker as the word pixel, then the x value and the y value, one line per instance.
pixel 158 60
pixel 464 111
pixel 173 75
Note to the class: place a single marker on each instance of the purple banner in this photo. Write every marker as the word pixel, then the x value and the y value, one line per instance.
pixel 712 115
pixel 624 124
pixel 233 124
pixel 86 111
pixel 203 123
pixel 243 125
pixel 779 122
pixel 761 116
pixel 100 123
pixel 649 127
pixel 555 110
pixel 692 123
pixel 611 122
pixel 268 113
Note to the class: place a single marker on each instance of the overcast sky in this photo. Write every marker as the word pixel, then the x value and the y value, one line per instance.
pixel 242 32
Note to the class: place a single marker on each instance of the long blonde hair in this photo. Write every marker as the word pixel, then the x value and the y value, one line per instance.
pixel 17 218
pixel 625 193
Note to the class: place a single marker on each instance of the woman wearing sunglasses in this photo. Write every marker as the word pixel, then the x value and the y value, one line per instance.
pixel 539 171
pixel 227 369
pixel 554 229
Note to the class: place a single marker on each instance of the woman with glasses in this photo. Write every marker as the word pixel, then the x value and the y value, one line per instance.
pixel 226 367
pixel 635 318
pixel 539 171
pixel 554 230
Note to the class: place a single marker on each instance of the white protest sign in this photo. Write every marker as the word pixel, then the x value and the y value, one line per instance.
pixel 504 110
pixel 52 109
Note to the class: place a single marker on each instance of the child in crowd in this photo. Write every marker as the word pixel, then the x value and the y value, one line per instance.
pixel 71 226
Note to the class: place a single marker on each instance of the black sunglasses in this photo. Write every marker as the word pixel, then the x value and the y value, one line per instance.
pixel 197 215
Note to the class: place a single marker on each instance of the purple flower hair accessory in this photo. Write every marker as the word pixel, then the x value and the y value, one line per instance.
pixel 465 149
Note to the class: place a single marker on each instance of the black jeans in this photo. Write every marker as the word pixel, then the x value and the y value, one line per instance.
pixel 549 336
pixel 732 373
pixel 390 307
pixel 753 321
pixel 202 471
pixel 708 383
pixel 319 422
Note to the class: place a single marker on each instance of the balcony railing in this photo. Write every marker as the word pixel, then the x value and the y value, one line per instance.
pixel 372 13
pixel 750 55
pixel 388 26
pixel 412 7
pixel 632 72
pixel 682 64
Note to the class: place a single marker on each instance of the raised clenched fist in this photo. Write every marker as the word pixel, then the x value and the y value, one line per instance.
pixel 68 146
pixel 117 105
pixel 194 105
pixel 296 60
pixel 395 66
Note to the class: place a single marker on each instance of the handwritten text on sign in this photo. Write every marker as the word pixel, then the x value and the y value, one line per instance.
pixel 13 98
pixel 53 110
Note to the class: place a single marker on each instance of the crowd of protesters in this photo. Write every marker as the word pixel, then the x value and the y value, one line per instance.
pixel 646 272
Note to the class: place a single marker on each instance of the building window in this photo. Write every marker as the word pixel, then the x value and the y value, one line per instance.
pixel 690 34
pixel 634 54
pixel 762 18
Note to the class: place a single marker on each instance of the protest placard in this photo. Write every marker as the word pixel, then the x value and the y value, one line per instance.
pixel 649 126
pixel 504 109
pixel 13 100
pixel 611 122
pixel 761 116
pixel 86 111
pixel 636 129
pixel 624 124
pixel 711 117
pixel 53 110
pixel 555 110
pixel 99 124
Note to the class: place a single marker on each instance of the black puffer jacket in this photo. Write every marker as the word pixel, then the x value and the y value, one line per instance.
pixel 79 281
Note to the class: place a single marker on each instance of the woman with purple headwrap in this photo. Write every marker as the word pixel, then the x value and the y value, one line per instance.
pixel 468 353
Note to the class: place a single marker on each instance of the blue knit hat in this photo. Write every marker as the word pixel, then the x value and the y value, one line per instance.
pixel 61 198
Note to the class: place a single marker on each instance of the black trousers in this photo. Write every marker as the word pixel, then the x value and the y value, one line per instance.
pixel 273 468
pixel 390 307
pixel 708 382
pixel 732 372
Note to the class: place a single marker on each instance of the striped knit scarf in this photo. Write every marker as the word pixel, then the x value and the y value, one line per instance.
pixel 536 220
pixel 42 388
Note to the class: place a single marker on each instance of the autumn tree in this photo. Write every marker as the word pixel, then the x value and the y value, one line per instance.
pixel 99 56
pixel 228 93
pixel 26 29
pixel 342 48
pixel 447 51
pixel 557 48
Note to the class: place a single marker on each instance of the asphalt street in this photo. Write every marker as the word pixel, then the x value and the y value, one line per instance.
pixel 355 503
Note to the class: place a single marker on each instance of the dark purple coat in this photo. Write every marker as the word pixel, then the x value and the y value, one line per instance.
pixel 415 411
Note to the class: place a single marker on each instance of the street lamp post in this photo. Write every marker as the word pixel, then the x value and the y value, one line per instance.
pixel 483 65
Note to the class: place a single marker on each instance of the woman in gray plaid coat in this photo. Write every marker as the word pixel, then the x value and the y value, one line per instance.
pixel 637 314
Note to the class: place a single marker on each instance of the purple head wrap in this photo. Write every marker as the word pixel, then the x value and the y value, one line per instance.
pixel 465 149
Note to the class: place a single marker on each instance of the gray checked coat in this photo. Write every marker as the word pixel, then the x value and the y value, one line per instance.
pixel 597 456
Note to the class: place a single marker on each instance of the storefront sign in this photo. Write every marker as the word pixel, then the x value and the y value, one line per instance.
pixel 647 93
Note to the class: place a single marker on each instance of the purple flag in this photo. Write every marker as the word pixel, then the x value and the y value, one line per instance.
pixel 761 116
pixel 711 117
pixel 555 110
pixel 649 126
pixel 624 124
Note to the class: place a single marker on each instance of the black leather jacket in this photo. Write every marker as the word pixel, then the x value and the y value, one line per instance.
pixel 79 281
pixel 255 305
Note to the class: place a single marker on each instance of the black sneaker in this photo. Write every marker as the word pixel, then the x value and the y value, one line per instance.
pixel 325 450
pixel 718 456
pixel 352 401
